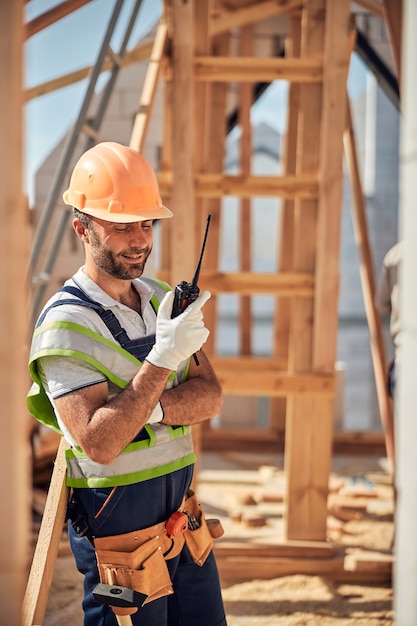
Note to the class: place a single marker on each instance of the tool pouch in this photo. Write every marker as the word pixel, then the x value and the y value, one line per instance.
pixel 137 560
pixel 199 541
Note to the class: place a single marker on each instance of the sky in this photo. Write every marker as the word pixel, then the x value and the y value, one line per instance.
pixel 68 45
pixel 73 43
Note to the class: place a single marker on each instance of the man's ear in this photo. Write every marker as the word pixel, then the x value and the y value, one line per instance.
pixel 81 230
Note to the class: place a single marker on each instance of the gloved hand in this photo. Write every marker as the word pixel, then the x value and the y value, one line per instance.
pixel 157 415
pixel 177 339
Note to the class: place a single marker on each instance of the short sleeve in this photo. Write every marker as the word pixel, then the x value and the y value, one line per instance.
pixel 62 375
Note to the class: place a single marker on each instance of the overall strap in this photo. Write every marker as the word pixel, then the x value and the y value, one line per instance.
pixel 106 315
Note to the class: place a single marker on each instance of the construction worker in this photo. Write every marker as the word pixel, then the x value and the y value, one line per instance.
pixel 113 373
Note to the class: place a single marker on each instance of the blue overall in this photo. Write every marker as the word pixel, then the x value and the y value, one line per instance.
pixel 197 596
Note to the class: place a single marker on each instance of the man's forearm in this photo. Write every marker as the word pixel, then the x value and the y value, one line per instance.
pixel 197 399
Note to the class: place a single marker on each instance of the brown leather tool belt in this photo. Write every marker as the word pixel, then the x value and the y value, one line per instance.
pixel 137 560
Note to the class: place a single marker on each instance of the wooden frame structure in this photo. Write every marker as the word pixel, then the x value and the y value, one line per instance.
pixel 199 66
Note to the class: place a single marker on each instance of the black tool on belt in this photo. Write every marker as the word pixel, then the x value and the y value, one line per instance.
pixel 77 516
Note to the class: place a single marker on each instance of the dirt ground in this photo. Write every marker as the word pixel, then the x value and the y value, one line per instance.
pixel 237 488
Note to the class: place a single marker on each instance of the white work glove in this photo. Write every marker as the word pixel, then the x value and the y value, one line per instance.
pixel 177 339
pixel 157 415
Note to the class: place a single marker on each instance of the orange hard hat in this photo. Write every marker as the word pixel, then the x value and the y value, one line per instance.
pixel 115 183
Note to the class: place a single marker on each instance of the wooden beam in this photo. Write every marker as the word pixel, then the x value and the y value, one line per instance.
pixel 255 69
pixel 142 117
pixel 285 284
pixel 217 185
pixel 43 563
pixel 15 235
pixel 216 132
pixel 247 363
pixel 282 313
pixel 272 383
pixel 245 168
pixel 307 549
pixel 140 53
pixel 306 487
pixel 182 191
pixel 53 15
pixel 367 274
pixel 241 568
pixel 223 20
pixel 336 63
pixel 199 123
pixel 273 441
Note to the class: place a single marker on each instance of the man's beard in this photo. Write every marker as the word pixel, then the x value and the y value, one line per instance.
pixel 108 262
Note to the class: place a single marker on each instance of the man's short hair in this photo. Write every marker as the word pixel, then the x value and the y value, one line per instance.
pixel 83 217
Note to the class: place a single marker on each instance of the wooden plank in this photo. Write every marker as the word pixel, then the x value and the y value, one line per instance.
pixel 282 314
pixel 270 441
pixel 367 275
pixel 370 561
pixel 310 441
pixel 182 192
pixel 305 488
pixel 140 53
pixel 166 165
pixel 249 363
pixel 255 69
pixel 216 128
pixel 142 117
pixel 243 440
pixel 336 63
pixel 250 283
pixel 15 237
pixel 53 15
pixel 223 20
pixel 237 568
pixel 245 222
pixel 42 569
pixel 275 383
pixel 201 45
pixel 306 549
pixel 217 185
pixel 200 115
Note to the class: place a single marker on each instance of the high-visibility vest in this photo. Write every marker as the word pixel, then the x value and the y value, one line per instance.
pixel 158 449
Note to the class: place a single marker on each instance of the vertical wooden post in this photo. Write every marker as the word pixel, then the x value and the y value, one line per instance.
pixel 285 261
pixel 245 245
pixel 304 500
pixel 201 142
pixel 14 440
pixel 182 194
pixel 317 241
pixel 201 47
pixel 216 115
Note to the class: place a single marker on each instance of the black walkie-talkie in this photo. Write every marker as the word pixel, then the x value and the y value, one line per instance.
pixel 185 293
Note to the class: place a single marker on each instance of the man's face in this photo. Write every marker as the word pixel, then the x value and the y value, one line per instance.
pixel 120 250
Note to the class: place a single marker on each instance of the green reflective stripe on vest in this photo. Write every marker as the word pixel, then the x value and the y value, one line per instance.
pixel 168 450
pixel 76 341
pixel 130 479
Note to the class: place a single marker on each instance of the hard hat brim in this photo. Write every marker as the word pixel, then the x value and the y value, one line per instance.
pixel 161 212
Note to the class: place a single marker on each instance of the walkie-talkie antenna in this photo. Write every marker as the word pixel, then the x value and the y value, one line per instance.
pixel 197 269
